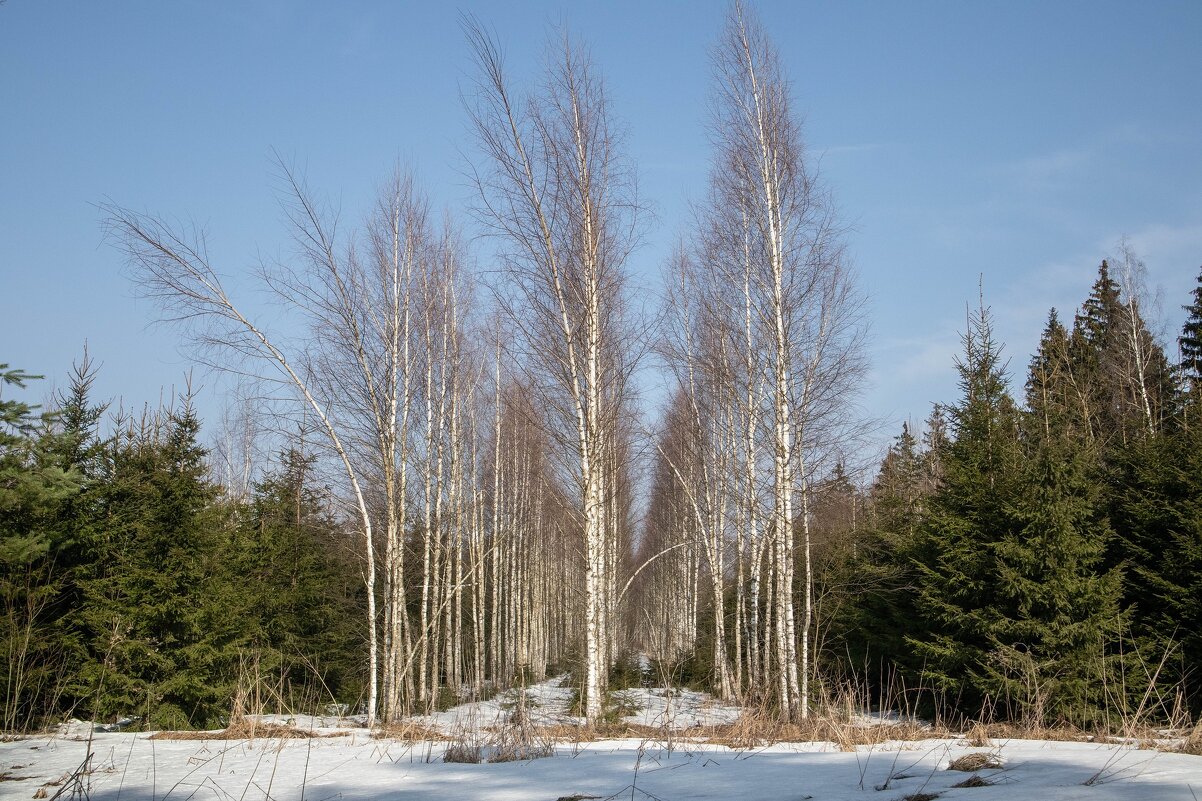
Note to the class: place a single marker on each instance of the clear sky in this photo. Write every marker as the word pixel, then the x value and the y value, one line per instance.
pixel 1015 140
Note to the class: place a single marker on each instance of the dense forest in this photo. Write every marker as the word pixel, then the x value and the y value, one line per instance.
pixel 436 488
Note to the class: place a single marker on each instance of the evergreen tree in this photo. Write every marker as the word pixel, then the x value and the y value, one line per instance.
pixel 1058 611
pixel 873 626
pixel 1060 608
pixel 1156 505
pixel 1124 380
pixel 1015 608
pixel 77 447
pixel 1092 349
pixel 1190 343
pixel 296 589
pixel 32 486
pixel 155 651
pixel 1050 385
pixel 935 441
pixel 954 559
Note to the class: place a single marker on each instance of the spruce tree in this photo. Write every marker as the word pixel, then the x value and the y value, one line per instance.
pixel 1014 608
pixel 1093 348
pixel 1125 383
pixel 873 626
pixel 954 559
pixel 148 613
pixel 78 447
pixel 1155 488
pixel 1190 342
pixel 32 487
pixel 294 588
pixel 1049 395
pixel 1059 607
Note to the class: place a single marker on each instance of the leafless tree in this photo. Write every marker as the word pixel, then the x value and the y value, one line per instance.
pixel 352 372
pixel 558 198
pixel 781 317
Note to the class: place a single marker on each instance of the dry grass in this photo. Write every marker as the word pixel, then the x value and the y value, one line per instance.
pixel 982 735
pixel 978 736
pixel 755 728
pixel 410 733
pixel 245 730
pixel 462 752
pixel 1192 744
pixel 974 781
pixel 572 733
pixel 978 760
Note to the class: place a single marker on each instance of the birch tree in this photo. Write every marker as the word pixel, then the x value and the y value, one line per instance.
pixel 351 373
pixel 558 198
pixel 772 230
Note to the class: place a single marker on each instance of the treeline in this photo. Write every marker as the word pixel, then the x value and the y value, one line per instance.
pixel 1036 558
pixel 133 586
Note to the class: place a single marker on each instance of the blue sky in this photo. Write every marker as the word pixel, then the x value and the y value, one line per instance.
pixel 1013 141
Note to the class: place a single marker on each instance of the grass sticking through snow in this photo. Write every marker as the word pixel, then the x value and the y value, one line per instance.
pixel 978 760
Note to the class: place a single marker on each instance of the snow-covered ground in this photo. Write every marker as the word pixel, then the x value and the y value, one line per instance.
pixel 675 709
pixel 349 764
pixel 547 704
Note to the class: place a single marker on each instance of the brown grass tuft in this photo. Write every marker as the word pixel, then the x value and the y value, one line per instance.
pixel 518 739
pixel 978 736
pixel 978 760
pixel 975 781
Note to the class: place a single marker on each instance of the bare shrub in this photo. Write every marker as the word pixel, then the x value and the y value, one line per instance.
pixel 518 739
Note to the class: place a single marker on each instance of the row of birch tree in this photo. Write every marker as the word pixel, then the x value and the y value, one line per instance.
pixel 487 442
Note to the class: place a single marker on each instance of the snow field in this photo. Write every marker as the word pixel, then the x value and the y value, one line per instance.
pixel 354 766
pixel 345 762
